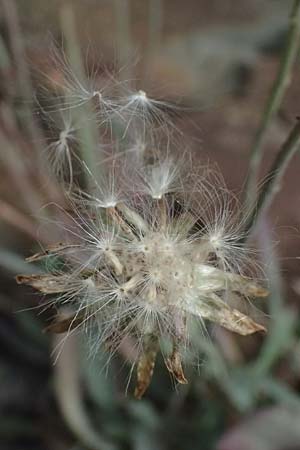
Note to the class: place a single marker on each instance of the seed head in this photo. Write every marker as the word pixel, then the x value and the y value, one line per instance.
pixel 151 248
pixel 147 267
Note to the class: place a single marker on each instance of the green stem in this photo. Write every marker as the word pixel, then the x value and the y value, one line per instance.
pixel 14 263
pixel 69 396
pixel 88 130
pixel 274 178
pixel 123 36
pixel 155 26
pixel 280 86
pixel 25 94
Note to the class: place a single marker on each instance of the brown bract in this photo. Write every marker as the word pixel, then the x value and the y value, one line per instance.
pixel 212 308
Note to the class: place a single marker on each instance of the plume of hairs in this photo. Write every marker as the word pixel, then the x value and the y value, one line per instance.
pixel 149 248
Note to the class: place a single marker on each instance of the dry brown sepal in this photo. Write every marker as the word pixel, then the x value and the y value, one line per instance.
pixel 47 284
pixel 146 365
pixel 216 310
pixel 174 366
pixel 51 250
pixel 247 287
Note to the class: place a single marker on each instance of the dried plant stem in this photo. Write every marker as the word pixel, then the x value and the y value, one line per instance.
pixel 273 183
pixel 280 86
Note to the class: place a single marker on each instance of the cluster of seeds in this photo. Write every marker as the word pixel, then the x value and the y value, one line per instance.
pixel 147 251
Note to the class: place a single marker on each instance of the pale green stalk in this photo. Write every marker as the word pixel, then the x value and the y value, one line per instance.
pixel 274 178
pixel 279 88
pixel 123 36
pixel 155 25
pixel 69 396
pixel 87 133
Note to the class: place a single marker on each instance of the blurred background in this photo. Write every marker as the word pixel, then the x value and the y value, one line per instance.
pixel 217 61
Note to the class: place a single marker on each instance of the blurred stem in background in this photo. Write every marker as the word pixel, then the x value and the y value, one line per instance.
pixel 25 94
pixel 87 133
pixel 273 180
pixel 280 86
pixel 67 382
pixel 155 27
pixel 282 324
pixel 22 73
pixel 123 37
pixel 15 263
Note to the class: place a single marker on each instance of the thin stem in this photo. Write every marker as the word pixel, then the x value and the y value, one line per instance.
pixel 5 62
pixel 14 263
pixel 19 176
pixel 274 177
pixel 25 91
pixel 88 132
pixel 17 219
pixel 280 86
pixel 123 36
pixel 70 397
pixel 281 328
pixel 22 72
pixel 155 26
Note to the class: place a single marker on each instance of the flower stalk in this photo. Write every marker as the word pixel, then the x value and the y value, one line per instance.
pixel 274 102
